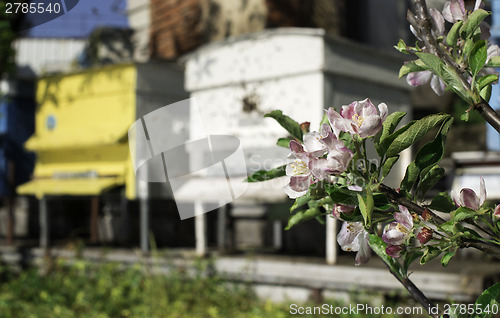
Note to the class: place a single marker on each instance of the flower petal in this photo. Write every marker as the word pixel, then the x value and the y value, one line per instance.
pixel 469 199
pixel 419 78
pixel 437 85
pixel 404 217
pixel 371 126
pixel 347 237
pixel 292 194
pixel 393 250
pixel 393 236
pixel 300 183
pixel 364 253
pixel 313 144
pixel 384 111
pixel 438 19
pixel 482 192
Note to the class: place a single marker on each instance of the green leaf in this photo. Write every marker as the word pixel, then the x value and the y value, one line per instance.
pixel 486 80
pixel 414 133
pixel 286 122
pixel 401 46
pixel 382 139
pixel 324 120
pixel 369 205
pixel 430 179
pixel 412 66
pixel 463 213
pixel 388 164
pixel 465 116
pixel 490 298
pixel 263 175
pixel 342 195
pixel 434 63
pixel 362 208
pixel 485 93
pixel 301 201
pixel 379 246
pixel 447 257
pixel 283 142
pixel 410 177
pixel 473 22
pixel 493 62
pixel 452 80
pixel 432 152
pixel 452 37
pixel 469 45
pixel 303 216
pixel 442 202
pixel 478 57
pixel 429 254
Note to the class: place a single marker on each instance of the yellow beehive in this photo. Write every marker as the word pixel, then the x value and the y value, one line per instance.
pixel 82 120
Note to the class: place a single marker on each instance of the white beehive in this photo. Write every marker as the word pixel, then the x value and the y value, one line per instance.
pixel 299 71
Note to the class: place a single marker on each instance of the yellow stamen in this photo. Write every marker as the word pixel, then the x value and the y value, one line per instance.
pixel 358 119
pixel 299 167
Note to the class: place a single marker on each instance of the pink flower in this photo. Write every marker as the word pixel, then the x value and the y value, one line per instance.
pixel 339 209
pixel 496 212
pixel 393 250
pixel 360 118
pixel 337 158
pixel 397 232
pixel 423 77
pixel 298 170
pixel 468 198
pixel 354 238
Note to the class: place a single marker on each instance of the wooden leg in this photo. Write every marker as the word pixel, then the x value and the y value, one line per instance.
pixel 221 228
pixel 200 225
pixel 277 235
pixel 94 235
pixel 331 240
pixel 44 223
pixel 144 224
pixel 10 202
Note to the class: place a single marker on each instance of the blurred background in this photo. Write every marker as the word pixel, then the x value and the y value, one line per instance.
pixel 75 78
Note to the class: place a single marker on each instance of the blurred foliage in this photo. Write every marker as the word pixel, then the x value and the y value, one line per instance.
pixel 9 24
pixel 85 289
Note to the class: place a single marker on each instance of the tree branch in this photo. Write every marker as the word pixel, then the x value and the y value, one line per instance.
pixel 415 293
pixel 422 23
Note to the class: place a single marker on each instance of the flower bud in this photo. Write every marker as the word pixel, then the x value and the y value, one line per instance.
pixel 496 212
pixel 424 235
pixel 393 250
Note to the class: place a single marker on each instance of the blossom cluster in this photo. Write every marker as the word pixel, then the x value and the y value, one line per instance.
pixel 323 154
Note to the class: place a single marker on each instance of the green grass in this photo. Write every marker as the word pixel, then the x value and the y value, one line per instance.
pixel 84 289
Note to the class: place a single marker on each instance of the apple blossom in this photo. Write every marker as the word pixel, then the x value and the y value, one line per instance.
pixel 298 170
pixel 468 198
pixel 358 118
pixel 396 233
pixel 354 238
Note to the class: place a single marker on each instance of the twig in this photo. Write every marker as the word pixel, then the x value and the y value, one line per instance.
pixel 489 114
pixel 415 293
pixel 395 197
